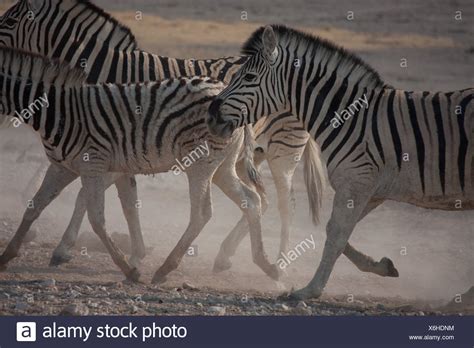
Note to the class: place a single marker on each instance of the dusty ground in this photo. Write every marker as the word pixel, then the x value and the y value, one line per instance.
pixel 431 249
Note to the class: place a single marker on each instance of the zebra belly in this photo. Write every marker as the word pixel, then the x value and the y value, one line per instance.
pixel 145 165
pixel 449 202
pixel 403 191
pixel 405 187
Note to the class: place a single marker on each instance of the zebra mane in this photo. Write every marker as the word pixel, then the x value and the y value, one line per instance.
pixel 19 64
pixel 319 46
pixel 127 33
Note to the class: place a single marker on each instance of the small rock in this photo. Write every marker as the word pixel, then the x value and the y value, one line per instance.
pixel 134 309
pixel 48 283
pixel 21 306
pixel 303 309
pixel 175 293
pixel 152 298
pixel 73 294
pixel 189 286
pixel 118 285
pixel 217 310
pixel 284 307
pixel 74 310
pixel 4 296
pixel 93 304
pixel 301 304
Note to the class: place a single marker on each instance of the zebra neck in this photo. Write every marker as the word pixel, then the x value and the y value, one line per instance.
pixel 140 66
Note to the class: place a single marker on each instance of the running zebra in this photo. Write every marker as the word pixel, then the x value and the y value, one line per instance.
pixel 366 130
pixel 97 131
pixel 84 35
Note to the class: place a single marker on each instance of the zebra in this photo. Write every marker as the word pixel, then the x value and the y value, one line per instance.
pixel 89 130
pixel 364 151
pixel 84 35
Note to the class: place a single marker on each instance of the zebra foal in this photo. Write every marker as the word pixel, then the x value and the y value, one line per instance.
pixel 363 151
pixel 91 130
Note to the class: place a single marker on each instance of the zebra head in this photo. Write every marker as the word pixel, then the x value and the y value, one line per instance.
pixel 13 22
pixel 255 91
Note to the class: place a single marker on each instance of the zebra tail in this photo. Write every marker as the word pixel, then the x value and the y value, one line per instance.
pixel 252 172
pixel 314 178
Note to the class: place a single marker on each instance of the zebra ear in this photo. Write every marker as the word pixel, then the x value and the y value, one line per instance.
pixel 270 43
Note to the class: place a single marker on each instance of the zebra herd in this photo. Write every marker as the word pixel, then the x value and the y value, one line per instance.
pixel 115 111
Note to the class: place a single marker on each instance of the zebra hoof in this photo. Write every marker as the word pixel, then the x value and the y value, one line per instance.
pixel 59 259
pixel 134 275
pixel 3 262
pixel 159 279
pixel 302 294
pixel 135 262
pixel 274 272
pixel 390 267
pixel 221 265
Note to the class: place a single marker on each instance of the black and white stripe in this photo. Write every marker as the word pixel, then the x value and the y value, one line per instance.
pixel 103 119
pixel 94 130
pixel 84 35
pixel 423 137
pixel 413 147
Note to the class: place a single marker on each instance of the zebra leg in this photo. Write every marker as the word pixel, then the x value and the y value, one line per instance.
pixel 235 237
pixel 94 187
pixel 249 202
pixel 33 186
pixel 62 252
pixel 349 204
pixel 365 263
pixel 56 179
pixel 384 267
pixel 229 246
pixel 199 178
pixel 282 169
pixel 127 191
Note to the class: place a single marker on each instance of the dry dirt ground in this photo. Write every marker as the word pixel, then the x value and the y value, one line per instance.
pixel 431 249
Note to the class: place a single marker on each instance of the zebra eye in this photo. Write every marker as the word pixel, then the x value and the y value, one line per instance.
pixel 250 77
